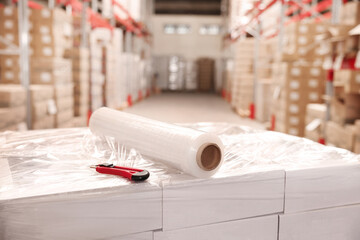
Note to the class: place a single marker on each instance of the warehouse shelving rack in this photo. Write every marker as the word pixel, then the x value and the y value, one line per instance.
pixel 290 11
pixel 128 23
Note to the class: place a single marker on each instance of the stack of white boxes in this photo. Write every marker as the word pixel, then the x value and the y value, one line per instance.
pixel 99 38
pixel 110 77
pixel 242 76
pixel 246 199
pixel 120 69
pixel 56 72
pixel 81 80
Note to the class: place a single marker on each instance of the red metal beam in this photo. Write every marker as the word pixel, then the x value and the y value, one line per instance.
pixel 94 18
pixel 130 24
pixel 256 17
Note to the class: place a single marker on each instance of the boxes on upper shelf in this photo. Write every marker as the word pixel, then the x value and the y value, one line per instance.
pixel 350 13
pixel 50 71
pixel 300 42
pixel 299 83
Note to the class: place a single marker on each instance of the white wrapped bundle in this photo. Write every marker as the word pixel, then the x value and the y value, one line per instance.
pixel 194 152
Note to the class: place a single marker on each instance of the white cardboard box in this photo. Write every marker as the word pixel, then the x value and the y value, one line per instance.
pixel 262 228
pixel 341 223
pixel 58 196
pixel 88 215
pixel 195 203
pixel 317 188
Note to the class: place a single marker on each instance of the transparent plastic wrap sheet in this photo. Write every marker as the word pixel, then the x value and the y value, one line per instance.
pixel 54 194
pixel 54 161
pixel 249 150
pixel 49 164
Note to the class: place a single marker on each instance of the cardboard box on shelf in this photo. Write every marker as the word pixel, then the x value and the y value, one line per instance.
pixel 49 16
pixel 41 92
pixel 300 42
pixel 81 65
pixel 81 109
pixel 315 121
pixel 52 64
pixel 348 79
pixel 39 110
pixel 12 115
pixel 81 99
pixel 44 123
pixel 63 90
pixel 12 95
pixel 46 52
pixel 63 117
pixel 15 127
pixel 8 12
pixel 77 53
pixel 81 88
pixel 80 121
pixel 9 25
pixel 9 62
pixel 68 124
pixel 42 41
pixel 340 136
pixel 81 76
pixel 50 77
pixel 10 39
pixel 350 13
pixel 11 76
pixel 298 84
pixel 64 103
pixel 347 110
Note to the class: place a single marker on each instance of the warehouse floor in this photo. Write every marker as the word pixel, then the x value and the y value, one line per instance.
pixel 188 108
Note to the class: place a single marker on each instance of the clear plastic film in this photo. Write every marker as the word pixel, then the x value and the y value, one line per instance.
pixel 54 161
pixel 248 150
pixel 54 165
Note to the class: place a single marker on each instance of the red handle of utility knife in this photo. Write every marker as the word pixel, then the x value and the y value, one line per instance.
pixel 115 171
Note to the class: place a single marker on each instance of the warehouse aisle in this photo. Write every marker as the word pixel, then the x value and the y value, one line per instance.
pixel 189 107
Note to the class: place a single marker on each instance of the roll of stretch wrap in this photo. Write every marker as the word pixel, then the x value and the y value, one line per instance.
pixel 194 152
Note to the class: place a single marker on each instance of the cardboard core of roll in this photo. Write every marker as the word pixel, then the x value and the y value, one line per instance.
pixel 208 157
